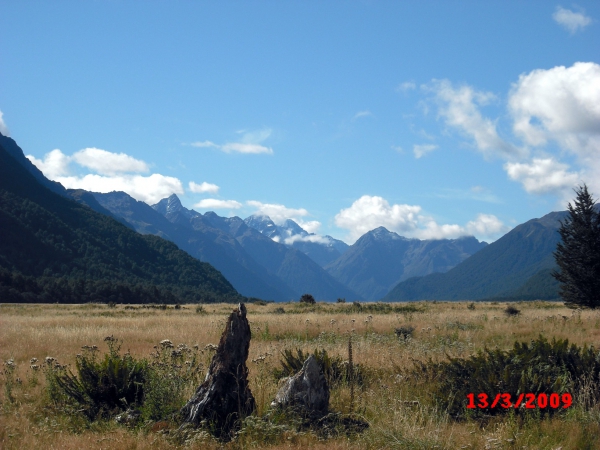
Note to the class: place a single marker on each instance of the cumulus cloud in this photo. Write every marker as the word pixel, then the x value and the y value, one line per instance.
pixel 150 189
pixel 214 203
pixel 3 127
pixel 459 107
pixel 562 104
pixel 249 143
pixel 543 176
pixel 422 150
pixel 572 21
pixel 203 187
pixel 108 163
pixel 55 164
pixel 370 212
pixel 111 174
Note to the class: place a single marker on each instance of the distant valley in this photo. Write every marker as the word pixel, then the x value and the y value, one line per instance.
pixel 255 257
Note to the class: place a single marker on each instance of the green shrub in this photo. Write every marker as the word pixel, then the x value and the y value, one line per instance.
pixel 101 387
pixel 174 373
pixel 538 367
pixel 511 311
pixel 307 298
pixel 404 332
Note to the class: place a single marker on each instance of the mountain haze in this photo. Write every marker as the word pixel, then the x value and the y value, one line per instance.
pixel 300 273
pixel 169 219
pixel 380 259
pixel 518 265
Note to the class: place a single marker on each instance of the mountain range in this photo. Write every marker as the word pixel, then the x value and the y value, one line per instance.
pixel 380 259
pixel 55 249
pixel 516 266
pixel 254 257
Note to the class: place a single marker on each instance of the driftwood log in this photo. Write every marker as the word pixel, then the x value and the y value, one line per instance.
pixel 224 398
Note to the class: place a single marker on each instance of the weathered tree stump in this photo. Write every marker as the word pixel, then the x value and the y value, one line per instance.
pixel 224 398
pixel 306 392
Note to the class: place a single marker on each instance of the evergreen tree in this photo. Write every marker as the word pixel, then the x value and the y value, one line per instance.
pixel 578 254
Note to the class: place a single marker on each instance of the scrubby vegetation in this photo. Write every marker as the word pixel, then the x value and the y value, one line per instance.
pixel 411 387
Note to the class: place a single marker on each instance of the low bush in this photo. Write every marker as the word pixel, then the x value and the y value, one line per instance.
pixel 511 311
pixel 537 367
pixel 105 387
pixel 307 298
pixel 101 387
pixel 404 332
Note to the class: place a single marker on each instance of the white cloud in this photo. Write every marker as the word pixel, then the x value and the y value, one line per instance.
pixel 360 114
pixel 256 136
pixel 3 127
pixel 486 225
pixel 240 147
pixel 422 150
pixel 277 213
pixel 55 164
pixel 311 226
pixel 203 187
pixel 459 107
pixel 370 212
pixel 250 143
pixel 108 163
pixel 280 213
pixel 543 176
pixel 561 104
pixel 407 86
pixel 315 238
pixel 572 21
pixel 150 189
pixel 213 203
pixel 203 144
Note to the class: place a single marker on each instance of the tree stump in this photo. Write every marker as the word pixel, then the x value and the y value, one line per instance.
pixel 306 392
pixel 224 399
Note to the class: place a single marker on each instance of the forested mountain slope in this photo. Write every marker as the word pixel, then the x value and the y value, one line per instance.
pixel 518 265
pixel 53 249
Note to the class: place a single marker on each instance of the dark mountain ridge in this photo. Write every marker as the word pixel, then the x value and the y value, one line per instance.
pixel 518 265
pixel 54 249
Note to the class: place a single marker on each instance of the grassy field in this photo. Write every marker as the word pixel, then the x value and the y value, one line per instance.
pixel 398 405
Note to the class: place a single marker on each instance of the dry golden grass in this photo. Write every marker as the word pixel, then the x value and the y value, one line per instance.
pixel 442 328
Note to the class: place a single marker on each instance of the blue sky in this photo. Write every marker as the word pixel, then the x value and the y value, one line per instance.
pixel 433 119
